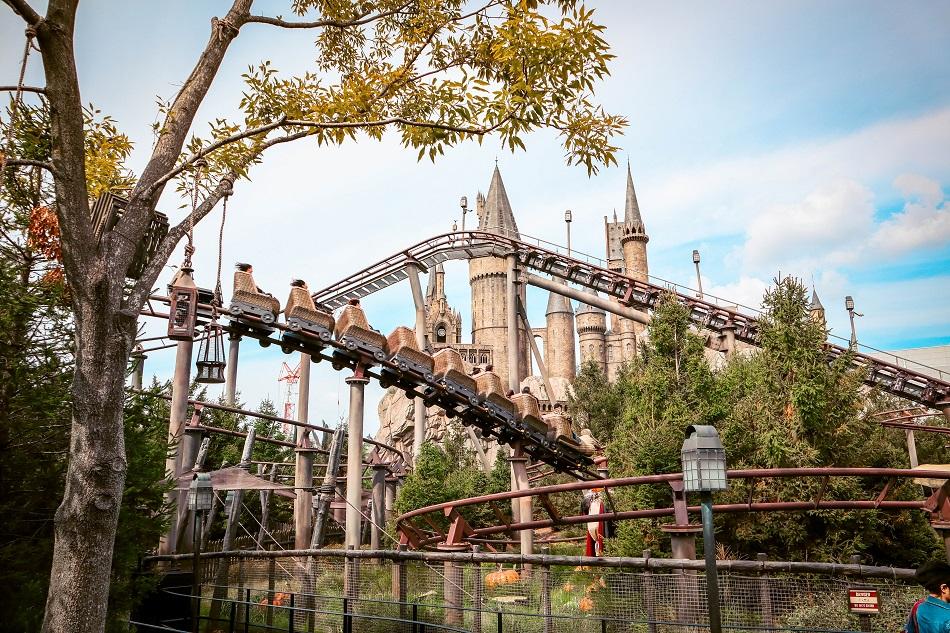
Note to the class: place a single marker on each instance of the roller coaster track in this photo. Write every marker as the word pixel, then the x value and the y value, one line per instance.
pixel 901 377
pixel 436 517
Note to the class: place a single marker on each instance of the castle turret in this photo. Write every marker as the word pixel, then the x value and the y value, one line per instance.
pixel 559 355
pixel 443 324
pixel 488 278
pixel 634 243
pixel 817 310
pixel 591 334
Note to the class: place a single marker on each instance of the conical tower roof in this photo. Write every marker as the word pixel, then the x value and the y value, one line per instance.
pixel 584 308
pixel 631 211
pixel 432 286
pixel 498 217
pixel 558 303
pixel 815 301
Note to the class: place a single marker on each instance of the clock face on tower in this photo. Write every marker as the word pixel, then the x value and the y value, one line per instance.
pixel 440 333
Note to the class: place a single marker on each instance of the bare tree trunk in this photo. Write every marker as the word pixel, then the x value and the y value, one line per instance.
pixel 86 520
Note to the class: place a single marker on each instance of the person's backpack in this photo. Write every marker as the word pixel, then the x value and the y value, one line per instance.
pixel 913 616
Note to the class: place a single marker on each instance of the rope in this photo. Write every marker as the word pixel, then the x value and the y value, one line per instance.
pixel 17 102
pixel 218 293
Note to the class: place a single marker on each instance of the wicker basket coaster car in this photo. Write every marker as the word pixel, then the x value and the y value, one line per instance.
pixel 449 370
pixel 587 444
pixel 493 396
pixel 353 330
pixel 401 348
pixel 247 301
pixel 530 413
pixel 559 426
pixel 302 315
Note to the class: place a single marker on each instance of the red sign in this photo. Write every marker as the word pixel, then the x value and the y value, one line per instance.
pixel 863 601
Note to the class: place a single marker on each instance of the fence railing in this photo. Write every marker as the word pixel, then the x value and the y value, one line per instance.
pixel 335 590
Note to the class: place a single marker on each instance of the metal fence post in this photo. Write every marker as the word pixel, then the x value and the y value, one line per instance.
pixel 415 617
pixel 290 615
pixel 247 610
pixel 400 589
pixel 271 573
pixel 347 622
pixel 649 592
pixel 546 592
pixel 499 627
pixel 479 593
pixel 231 617
pixel 765 594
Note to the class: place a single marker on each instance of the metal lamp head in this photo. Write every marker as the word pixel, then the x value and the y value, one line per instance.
pixel 183 306
pixel 464 202
pixel 849 303
pixel 568 217
pixel 200 494
pixel 704 460
pixel 695 256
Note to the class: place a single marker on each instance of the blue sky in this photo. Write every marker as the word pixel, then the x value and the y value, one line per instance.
pixel 810 138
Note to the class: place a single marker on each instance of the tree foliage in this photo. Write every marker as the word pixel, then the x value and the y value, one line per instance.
pixel 780 405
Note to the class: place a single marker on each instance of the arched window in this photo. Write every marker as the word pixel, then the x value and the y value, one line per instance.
pixel 440 333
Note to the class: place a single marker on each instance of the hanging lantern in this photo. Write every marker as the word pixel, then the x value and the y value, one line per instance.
pixel 183 306
pixel 211 361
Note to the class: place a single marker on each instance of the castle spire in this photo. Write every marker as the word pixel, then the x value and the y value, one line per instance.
pixel 498 216
pixel 631 211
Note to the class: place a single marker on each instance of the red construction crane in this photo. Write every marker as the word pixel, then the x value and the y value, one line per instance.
pixel 291 377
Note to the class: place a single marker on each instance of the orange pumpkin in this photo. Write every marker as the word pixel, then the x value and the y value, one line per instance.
pixel 586 604
pixel 511 576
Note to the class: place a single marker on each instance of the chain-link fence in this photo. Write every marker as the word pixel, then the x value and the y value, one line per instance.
pixel 335 593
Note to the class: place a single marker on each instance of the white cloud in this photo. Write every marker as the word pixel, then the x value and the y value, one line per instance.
pixel 828 224
pixel 923 223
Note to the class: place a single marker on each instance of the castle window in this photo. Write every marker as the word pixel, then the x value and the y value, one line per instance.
pixel 440 333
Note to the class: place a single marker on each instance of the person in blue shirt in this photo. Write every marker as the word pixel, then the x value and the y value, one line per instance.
pixel 932 614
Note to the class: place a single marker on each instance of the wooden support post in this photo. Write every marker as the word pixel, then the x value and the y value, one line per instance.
pixel 327 489
pixel 379 505
pixel 912 448
pixel 536 352
pixel 351 576
pixel 419 407
pixel 519 469
pixel 354 459
pixel 265 505
pixel 230 532
pixel 138 367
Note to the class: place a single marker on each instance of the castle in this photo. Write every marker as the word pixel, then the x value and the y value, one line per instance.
pixel 587 330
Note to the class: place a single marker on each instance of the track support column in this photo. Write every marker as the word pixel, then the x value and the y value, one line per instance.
pixel 419 407
pixel 181 383
pixel 230 382
pixel 354 458
pixel 519 469
pixel 379 505
pixel 303 483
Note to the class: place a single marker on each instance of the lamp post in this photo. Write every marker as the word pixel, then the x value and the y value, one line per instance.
pixel 849 306
pixel 704 471
pixel 464 204
pixel 567 220
pixel 699 280
pixel 200 497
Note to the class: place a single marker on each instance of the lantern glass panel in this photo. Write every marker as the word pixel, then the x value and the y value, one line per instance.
pixel 211 359
pixel 200 494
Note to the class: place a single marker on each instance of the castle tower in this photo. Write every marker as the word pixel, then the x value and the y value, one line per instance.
pixel 559 355
pixel 488 278
pixel 817 310
pixel 591 333
pixel 633 241
pixel 443 324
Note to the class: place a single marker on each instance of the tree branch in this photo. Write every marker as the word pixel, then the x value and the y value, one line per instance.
pixel 26 162
pixel 35 89
pixel 212 147
pixel 178 122
pixel 144 285
pixel 359 20
pixel 23 9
